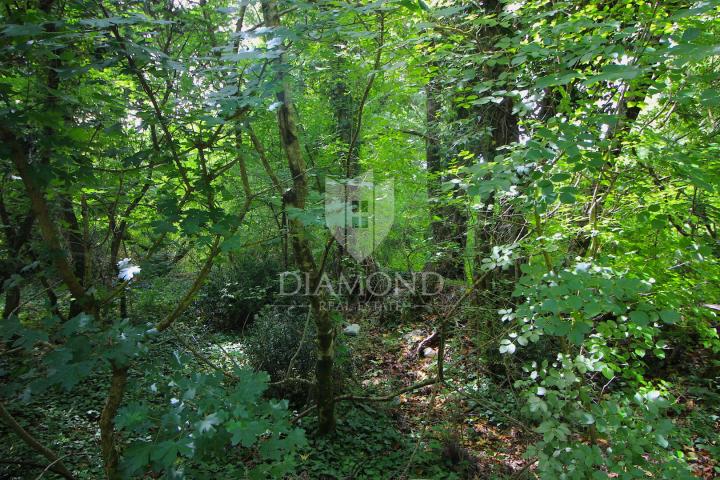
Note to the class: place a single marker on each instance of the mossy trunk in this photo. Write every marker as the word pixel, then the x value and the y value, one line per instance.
pixel 296 198
pixel 324 372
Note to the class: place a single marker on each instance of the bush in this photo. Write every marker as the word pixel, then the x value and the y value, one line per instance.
pixel 152 298
pixel 197 419
pixel 235 293
pixel 275 338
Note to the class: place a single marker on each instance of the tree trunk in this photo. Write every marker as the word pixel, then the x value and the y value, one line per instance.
pixel 12 301
pixel 447 221
pixel 287 125
pixel 341 101
pixel 107 422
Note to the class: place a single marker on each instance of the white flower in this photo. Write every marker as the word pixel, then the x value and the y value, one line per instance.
pixel 541 391
pixel 524 169
pixel 127 271
pixel 512 192
pixel 507 315
pixel 582 267
pixel 124 263
pixel 502 256
pixel 506 346
pixel 653 395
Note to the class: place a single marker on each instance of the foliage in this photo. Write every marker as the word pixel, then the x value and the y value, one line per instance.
pixel 279 335
pixel 556 161
pixel 367 446
pixel 208 418
pixel 235 293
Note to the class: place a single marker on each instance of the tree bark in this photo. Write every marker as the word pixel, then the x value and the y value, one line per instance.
pixel 447 221
pixel 296 197
pixel 113 401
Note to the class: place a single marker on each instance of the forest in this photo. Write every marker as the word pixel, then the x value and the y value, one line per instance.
pixel 359 239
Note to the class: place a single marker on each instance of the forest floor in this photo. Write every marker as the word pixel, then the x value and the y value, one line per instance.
pixel 483 437
pixel 422 434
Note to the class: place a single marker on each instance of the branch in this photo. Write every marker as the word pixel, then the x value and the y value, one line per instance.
pixel 263 159
pixel 42 213
pixel 187 298
pixel 56 464
pixel 153 100
pixel 426 136
pixel 363 101
pixel 389 396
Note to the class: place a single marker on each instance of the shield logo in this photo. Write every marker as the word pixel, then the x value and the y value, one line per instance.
pixel 359 213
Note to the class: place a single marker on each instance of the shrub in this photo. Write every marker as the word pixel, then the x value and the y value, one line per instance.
pixel 235 293
pixel 275 338
pixel 197 423
pixel 151 298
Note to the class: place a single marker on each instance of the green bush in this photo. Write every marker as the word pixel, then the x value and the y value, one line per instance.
pixel 196 424
pixel 152 298
pixel 275 337
pixel 235 293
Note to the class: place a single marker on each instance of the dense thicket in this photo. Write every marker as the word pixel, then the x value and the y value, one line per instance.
pixel 164 169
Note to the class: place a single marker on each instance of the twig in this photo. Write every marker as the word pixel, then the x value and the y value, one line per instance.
pixel 525 468
pixel 49 466
pixel 366 92
pixel 200 356
pixel 422 433
pixel 300 344
pixel 57 465
pixel 390 396
pixel 302 414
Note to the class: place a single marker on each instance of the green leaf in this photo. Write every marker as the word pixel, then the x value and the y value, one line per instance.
pixel 245 433
pixel 556 79
pixel 232 244
pixel 586 418
pixel 662 441
pixel 164 453
pixel 640 318
pixel 669 316
pixel 611 73
pixel 567 198
pixel 136 457
pixel 208 423
pixel 25 30
pixel 579 331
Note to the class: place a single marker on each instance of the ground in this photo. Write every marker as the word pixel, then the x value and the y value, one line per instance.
pixel 427 433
